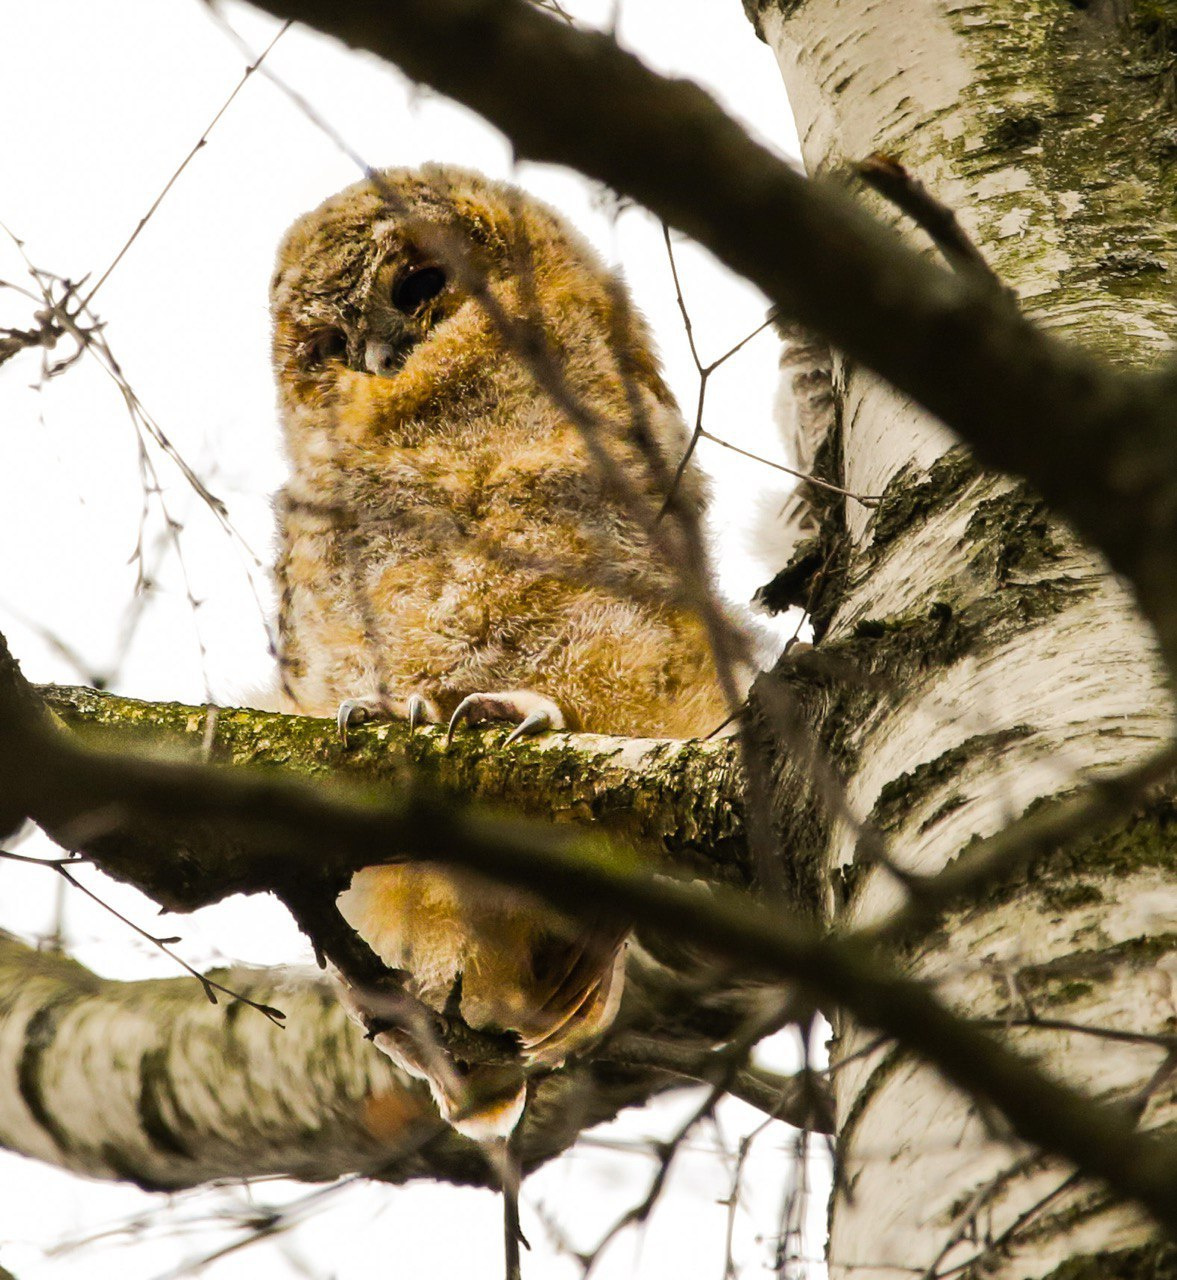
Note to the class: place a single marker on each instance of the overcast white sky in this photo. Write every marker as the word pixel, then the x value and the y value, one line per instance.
pixel 101 103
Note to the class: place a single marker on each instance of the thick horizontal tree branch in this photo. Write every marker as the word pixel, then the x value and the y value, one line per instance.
pixel 1100 444
pixel 681 798
pixel 281 830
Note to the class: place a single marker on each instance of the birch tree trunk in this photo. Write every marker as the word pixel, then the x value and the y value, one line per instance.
pixel 987 660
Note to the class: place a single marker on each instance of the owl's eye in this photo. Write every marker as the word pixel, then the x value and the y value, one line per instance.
pixel 413 291
pixel 326 344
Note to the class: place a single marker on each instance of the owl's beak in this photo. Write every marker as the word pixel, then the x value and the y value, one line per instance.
pixel 384 358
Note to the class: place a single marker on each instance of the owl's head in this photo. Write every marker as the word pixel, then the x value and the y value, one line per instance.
pixel 358 285
pixel 365 279
pixel 381 332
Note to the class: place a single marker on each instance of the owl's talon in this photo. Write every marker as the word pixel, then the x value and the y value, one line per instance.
pixel 534 722
pixel 530 712
pixel 353 711
pixel 416 708
pixel 461 712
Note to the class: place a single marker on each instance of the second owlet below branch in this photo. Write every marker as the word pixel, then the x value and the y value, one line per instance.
pixel 450 542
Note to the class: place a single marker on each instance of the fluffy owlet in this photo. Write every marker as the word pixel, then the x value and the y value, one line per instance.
pixel 454 547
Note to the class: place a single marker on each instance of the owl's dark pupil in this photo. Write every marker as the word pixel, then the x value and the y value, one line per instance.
pixel 413 291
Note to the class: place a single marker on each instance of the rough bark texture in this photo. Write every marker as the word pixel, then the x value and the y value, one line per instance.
pixel 974 658
pixel 680 798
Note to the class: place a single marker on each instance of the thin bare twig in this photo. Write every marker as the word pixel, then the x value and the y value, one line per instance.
pixel 1160 1039
pixel 266 1221
pixel 863 499
pixel 197 146
pixel 62 867
pixel 796 1100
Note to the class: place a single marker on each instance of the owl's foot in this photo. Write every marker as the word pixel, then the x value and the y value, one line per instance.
pixel 529 712
pixel 416 709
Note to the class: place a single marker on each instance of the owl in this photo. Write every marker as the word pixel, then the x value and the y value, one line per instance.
pixel 455 548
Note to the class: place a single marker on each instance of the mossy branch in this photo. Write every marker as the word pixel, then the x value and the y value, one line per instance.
pixel 682 799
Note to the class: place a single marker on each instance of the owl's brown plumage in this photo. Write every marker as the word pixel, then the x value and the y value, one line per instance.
pixel 445 532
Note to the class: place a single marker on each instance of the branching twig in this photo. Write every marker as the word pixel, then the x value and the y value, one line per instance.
pixel 787 1098
pixel 210 985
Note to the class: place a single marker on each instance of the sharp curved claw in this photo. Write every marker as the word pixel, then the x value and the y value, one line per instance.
pixel 536 722
pixel 417 711
pixel 460 713
pixel 350 712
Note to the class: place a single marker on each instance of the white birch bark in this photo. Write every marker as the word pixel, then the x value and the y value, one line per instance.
pixel 151 1082
pixel 1026 119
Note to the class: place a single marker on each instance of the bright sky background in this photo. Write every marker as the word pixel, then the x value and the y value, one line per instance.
pixel 103 101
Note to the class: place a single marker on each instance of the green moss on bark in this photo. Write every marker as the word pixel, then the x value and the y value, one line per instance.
pixel 1157 1261
pixel 1015 536
pixel 684 802
pixel 1078 82
pixel 830 700
pixel 908 501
